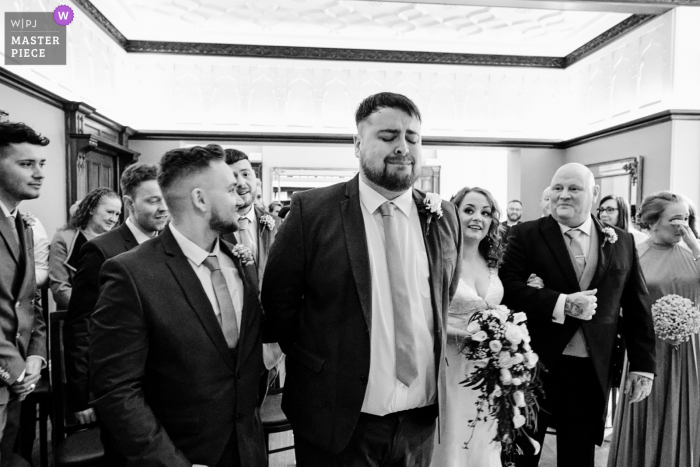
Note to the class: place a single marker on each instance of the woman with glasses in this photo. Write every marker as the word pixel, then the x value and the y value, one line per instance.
pixel 615 211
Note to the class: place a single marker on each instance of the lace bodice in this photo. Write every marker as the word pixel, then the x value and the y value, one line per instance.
pixel 467 300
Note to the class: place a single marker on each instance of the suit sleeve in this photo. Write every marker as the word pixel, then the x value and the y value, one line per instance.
pixel 118 353
pixel 637 323
pixel 538 304
pixel 283 287
pixel 458 266
pixel 59 277
pixel 76 329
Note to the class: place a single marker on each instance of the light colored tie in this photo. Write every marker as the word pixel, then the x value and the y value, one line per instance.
pixel 577 250
pixel 246 240
pixel 13 228
pixel 223 298
pixel 406 366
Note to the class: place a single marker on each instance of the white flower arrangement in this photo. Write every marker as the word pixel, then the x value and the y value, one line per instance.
pixel 433 203
pixel 507 373
pixel 267 221
pixel 610 235
pixel 243 253
pixel 676 319
pixel 29 219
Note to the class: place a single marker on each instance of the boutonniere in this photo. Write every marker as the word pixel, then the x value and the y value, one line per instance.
pixel 29 219
pixel 433 206
pixel 243 253
pixel 610 235
pixel 267 222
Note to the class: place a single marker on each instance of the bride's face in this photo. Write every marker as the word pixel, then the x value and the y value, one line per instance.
pixel 475 213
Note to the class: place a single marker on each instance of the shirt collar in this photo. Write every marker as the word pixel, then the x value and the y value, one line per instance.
pixel 372 200
pixel 6 212
pixel 250 214
pixel 191 250
pixel 585 227
pixel 136 232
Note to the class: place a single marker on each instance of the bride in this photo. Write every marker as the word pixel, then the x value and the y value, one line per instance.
pixel 479 285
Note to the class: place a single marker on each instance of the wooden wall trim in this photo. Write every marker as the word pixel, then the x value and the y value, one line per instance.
pixel 27 87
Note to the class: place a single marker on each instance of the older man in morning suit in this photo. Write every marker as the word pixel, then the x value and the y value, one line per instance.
pixel 357 287
pixel 22 327
pixel 586 273
pixel 175 347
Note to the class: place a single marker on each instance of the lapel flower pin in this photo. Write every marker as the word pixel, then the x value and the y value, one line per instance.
pixel 243 253
pixel 433 204
pixel 610 235
pixel 29 219
pixel 267 221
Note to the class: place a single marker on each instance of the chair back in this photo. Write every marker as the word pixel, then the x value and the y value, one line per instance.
pixel 58 378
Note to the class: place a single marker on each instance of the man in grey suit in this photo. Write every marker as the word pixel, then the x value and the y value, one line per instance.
pixel 22 327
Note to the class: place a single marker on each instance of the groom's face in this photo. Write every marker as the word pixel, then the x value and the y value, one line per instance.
pixel 572 196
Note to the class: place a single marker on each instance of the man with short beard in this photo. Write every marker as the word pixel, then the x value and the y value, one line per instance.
pixel 514 213
pixel 356 287
pixel 147 215
pixel 175 344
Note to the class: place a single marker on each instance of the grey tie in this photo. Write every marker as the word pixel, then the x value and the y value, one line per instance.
pixel 244 233
pixel 405 340
pixel 577 250
pixel 13 228
pixel 223 298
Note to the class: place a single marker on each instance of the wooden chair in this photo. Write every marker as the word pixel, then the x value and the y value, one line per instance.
pixel 73 446
pixel 273 419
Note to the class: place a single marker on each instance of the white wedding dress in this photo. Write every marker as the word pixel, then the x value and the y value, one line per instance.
pixel 461 401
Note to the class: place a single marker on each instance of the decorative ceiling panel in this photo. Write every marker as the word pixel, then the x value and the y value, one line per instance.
pixel 348 24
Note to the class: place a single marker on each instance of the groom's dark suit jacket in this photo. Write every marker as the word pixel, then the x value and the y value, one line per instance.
pixel 538 247
pixel 86 289
pixel 165 383
pixel 317 295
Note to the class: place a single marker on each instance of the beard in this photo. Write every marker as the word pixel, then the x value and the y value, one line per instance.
pixel 514 217
pixel 389 181
pixel 222 224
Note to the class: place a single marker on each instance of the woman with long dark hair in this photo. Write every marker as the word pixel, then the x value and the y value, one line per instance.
pixel 479 288
pixel 614 211
pixel 96 214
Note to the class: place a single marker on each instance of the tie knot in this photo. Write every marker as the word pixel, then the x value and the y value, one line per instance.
pixel 387 209
pixel 573 233
pixel 212 262
pixel 243 222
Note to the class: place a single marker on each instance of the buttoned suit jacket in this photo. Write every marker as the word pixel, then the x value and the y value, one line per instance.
pixel 538 247
pixel 163 379
pixel 86 288
pixel 317 295
pixel 22 326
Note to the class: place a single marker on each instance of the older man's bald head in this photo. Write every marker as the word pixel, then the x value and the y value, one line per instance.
pixel 573 192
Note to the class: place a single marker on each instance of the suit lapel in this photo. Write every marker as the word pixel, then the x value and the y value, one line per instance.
pixel 264 235
pixel 433 249
pixel 27 253
pixel 9 238
pixel 605 254
pixel 194 293
pixel 555 241
pixel 128 237
pixel 356 244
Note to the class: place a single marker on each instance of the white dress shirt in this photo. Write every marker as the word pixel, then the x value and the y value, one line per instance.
pixel 136 232
pixel 386 394
pixel 196 257
pixel 252 230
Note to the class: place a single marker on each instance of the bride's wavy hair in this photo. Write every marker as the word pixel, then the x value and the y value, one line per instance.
pixel 491 246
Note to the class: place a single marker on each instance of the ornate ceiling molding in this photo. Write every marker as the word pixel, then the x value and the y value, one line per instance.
pixel 368 55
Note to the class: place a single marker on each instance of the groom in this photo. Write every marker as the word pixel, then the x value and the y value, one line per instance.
pixel 589 272
pixel 357 283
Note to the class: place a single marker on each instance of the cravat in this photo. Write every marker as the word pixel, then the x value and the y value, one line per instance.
pixel 243 223
pixel 405 340
pixel 223 298
pixel 577 250
pixel 13 228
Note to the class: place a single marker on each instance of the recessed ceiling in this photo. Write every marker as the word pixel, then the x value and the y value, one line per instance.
pixel 347 24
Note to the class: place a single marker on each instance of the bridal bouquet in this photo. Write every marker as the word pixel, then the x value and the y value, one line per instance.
pixel 675 318
pixel 506 373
